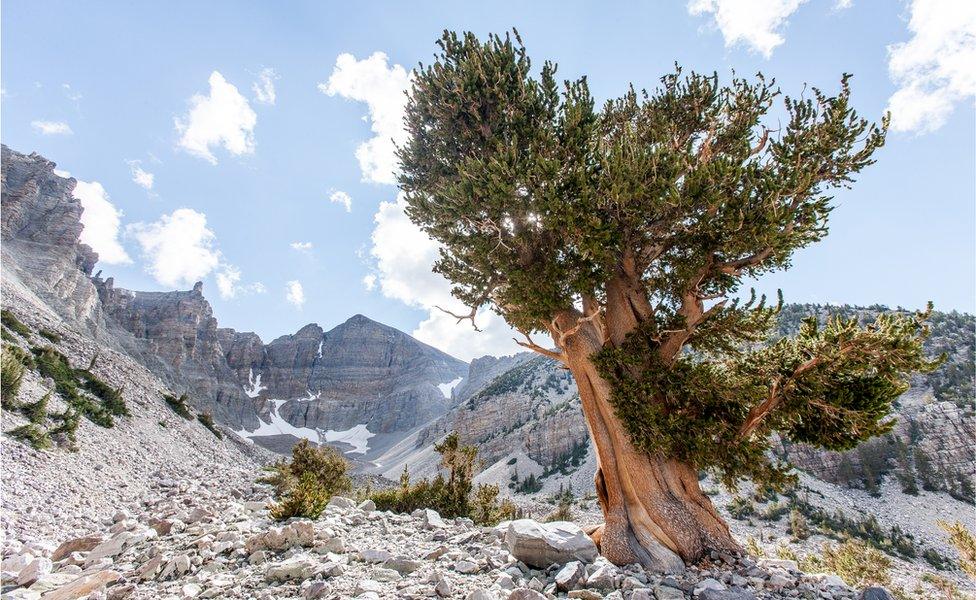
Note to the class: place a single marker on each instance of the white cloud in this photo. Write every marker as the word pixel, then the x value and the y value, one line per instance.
pixel 179 248
pixel 52 127
pixel 229 283
pixel 294 293
pixel 369 282
pixel 101 222
pixel 263 88
pixel 222 118
pixel 382 88
pixel 934 70
pixel 340 197
pixel 755 23
pixel 301 246
pixel 403 256
pixel 140 176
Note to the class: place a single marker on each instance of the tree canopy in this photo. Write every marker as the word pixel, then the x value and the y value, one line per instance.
pixel 662 202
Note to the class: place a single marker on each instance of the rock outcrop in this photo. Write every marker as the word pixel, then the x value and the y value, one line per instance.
pixel 175 335
pixel 41 230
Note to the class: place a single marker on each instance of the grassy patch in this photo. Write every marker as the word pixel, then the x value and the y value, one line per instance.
pixel 51 336
pixel 36 412
pixel 69 383
pixel 13 323
pixel 179 405
pixel 33 435
pixel 208 422
pixel 11 375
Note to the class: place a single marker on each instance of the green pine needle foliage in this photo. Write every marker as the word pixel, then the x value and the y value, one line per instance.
pixel 11 322
pixel 32 434
pixel 11 375
pixel 305 484
pixel 653 209
pixel 179 405
pixel 208 422
pixel 82 390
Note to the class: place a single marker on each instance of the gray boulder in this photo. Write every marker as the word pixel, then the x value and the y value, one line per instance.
pixel 540 545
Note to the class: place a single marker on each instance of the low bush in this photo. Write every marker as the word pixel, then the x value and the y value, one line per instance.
pixel 964 542
pixel 36 412
pixel 208 422
pixel 68 383
pixel 564 507
pixel 450 496
pixel 798 525
pixel 111 398
pixel 13 323
pixel 179 405
pixel 305 484
pixel 741 508
pixel 52 336
pixel 857 563
pixel 64 432
pixel 11 375
pixel 33 435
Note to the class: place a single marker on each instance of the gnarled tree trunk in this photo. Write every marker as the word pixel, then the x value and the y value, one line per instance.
pixel 655 512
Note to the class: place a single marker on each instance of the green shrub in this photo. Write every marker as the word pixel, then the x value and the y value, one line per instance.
pixel 36 412
pixel 53 364
pixel 53 337
pixel 964 542
pixel 798 525
pixel 487 510
pixel 741 508
pixel 14 324
pixel 21 355
pixel 64 431
pixel 208 422
pixel 33 435
pixel 306 498
pixel 7 336
pixel 179 405
pixel 450 496
pixel 564 507
pixel 775 511
pixel 529 485
pixel 309 480
pixel 858 564
pixel 111 398
pixel 11 376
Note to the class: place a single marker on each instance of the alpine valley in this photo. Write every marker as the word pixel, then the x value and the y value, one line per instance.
pixel 183 492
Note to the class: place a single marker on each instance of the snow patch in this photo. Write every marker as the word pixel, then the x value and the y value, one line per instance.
pixel 253 388
pixel 448 388
pixel 279 426
pixel 357 437
pixel 319 354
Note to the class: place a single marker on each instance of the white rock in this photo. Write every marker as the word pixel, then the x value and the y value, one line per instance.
pixel 432 520
pixel 709 584
pixel 542 544
pixel 569 576
pixel 298 567
pixel 37 568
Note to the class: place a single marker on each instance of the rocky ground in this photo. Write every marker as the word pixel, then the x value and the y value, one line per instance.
pixel 195 540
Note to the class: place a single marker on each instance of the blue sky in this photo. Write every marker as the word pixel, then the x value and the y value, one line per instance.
pixel 111 90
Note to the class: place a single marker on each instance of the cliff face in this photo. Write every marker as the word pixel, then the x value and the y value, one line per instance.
pixel 41 229
pixel 359 373
pixel 175 334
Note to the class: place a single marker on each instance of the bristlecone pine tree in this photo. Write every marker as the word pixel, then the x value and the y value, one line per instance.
pixel 624 234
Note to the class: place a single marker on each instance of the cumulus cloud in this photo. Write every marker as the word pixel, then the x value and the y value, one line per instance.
pixel 229 283
pixel 179 248
pixel 140 176
pixel 301 246
pixel 934 69
pixel 101 220
pixel 221 118
pixel 369 282
pixel 264 88
pixel 757 24
pixel 294 293
pixel 52 127
pixel 340 197
pixel 382 87
pixel 403 257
